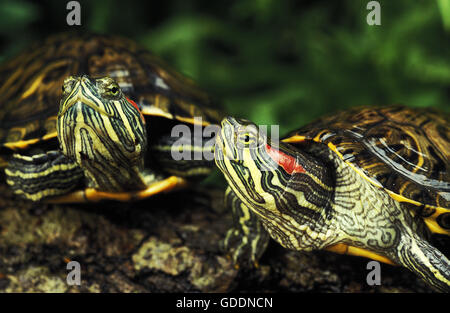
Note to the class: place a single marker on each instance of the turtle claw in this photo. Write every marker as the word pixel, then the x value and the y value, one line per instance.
pixel 229 258
pixel 237 266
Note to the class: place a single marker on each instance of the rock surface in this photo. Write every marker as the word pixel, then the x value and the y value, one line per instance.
pixel 165 244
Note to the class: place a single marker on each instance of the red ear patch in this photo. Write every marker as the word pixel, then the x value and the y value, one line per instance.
pixel 137 108
pixel 287 162
pixel 134 104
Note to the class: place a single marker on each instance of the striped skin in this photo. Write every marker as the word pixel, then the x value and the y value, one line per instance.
pixel 103 132
pixel 192 159
pixel 309 199
pixel 247 239
pixel 43 175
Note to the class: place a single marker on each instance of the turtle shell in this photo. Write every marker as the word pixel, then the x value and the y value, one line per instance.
pixel 405 151
pixel 30 84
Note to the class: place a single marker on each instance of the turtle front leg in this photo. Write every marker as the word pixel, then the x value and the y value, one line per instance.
pixel 247 239
pixel 426 261
pixel 42 175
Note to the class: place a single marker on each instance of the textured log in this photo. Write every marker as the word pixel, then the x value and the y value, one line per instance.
pixel 165 244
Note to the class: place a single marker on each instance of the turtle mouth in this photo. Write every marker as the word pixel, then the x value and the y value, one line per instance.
pixel 79 110
pixel 78 120
pixel 79 103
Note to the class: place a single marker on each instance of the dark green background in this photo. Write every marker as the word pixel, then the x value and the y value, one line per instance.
pixel 272 61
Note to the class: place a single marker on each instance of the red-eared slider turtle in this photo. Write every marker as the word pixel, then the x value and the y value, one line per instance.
pixel 371 182
pixel 113 138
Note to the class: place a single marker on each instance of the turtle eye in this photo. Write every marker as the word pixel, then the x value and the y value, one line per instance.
pixel 66 87
pixel 68 84
pixel 246 139
pixel 114 91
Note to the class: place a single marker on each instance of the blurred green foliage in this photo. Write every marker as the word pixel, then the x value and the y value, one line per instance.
pixel 272 61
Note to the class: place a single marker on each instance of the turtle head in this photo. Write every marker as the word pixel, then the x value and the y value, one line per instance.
pixel 240 153
pixel 288 189
pixel 103 132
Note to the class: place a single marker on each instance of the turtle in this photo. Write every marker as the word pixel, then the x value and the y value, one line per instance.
pixel 368 181
pixel 120 109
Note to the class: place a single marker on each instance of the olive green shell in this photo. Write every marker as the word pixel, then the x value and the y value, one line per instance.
pixel 30 84
pixel 405 151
